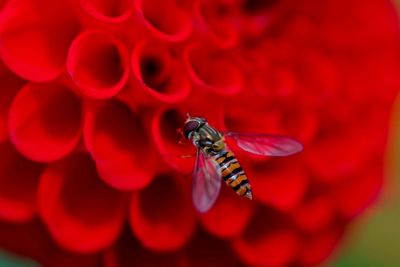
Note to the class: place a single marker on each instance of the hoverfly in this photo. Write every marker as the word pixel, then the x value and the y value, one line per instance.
pixel 215 161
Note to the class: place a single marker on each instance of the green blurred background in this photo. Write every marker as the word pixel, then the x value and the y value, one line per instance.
pixel 375 237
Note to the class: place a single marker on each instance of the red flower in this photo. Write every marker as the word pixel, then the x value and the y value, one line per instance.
pixel 94 94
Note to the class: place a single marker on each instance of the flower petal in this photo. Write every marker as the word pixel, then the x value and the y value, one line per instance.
pixel 98 63
pixel 45 121
pixel 356 194
pixel 206 250
pixel 81 212
pixel 268 241
pixel 214 22
pixel 165 129
pixel 10 86
pixel 315 214
pixel 48 27
pixel 32 240
pixel 129 253
pixel 333 163
pixel 213 72
pixel 109 11
pixel 18 186
pixel 119 144
pixel 276 184
pixel 319 247
pixel 158 73
pixel 161 215
pixel 228 208
pixel 166 20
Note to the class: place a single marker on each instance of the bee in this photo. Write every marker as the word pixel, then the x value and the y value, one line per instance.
pixel 215 161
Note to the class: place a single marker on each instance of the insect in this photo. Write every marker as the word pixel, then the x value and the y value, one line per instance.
pixel 215 161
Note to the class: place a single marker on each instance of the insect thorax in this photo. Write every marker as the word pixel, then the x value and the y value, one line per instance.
pixel 209 139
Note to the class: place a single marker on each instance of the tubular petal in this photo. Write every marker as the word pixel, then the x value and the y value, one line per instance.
pixel 119 145
pixel 317 248
pixel 328 161
pixel 161 215
pixel 315 214
pixel 98 63
pixel 45 121
pixel 10 84
pixel 32 240
pixel 43 26
pixel 212 72
pixel 128 252
pixel 276 185
pixel 206 250
pixel 259 16
pixel 229 208
pixel 18 186
pixel 215 23
pixel 82 213
pixel 159 73
pixel 165 129
pixel 109 11
pixel 268 241
pixel 165 19
pixel 354 196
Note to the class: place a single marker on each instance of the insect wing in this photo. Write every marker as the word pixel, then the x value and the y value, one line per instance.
pixel 266 144
pixel 206 182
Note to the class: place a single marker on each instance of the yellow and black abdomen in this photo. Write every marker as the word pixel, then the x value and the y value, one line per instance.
pixel 233 174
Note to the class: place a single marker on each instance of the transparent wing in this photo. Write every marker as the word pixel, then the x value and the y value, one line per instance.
pixel 266 144
pixel 206 182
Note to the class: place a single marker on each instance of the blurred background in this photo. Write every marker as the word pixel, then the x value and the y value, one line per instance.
pixel 375 238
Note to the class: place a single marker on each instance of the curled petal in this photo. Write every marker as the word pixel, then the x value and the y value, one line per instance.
pixel 161 215
pixel 32 240
pixel 2 3
pixel 109 11
pixel 98 63
pixel 45 121
pixel 35 36
pixel 120 146
pixel 80 211
pixel 258 16
pixel 300 122
pixel 228 208
pixel 236 118
pixel 296 122
pixel 166 125
pixel 19 180
pixel 165 19
pixel 268 241
pixel 279 182
pixel 159 73
pixel 315 214
pixel 276 82
pixel 319 247
pixel 332 163
pixel 10 84
pixel 128 252
pixel 212 72
pixel 215 21
pixel 324 86
pixel 206 250
pixel 358 192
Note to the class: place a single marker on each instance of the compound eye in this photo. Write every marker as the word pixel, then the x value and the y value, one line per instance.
pixel 189 127
pixel 203 119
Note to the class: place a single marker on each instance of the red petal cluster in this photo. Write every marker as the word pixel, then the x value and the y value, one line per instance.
pixel 94 92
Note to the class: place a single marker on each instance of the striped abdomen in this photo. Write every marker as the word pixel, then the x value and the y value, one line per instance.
pixel 233 174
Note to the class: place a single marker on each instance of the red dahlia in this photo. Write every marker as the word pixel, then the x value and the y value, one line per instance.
pixel 93 94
